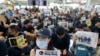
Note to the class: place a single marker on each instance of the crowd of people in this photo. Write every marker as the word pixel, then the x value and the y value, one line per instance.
pixel 43 31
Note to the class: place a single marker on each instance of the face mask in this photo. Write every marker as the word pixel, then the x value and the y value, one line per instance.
pixel 83 18
pixel 41 44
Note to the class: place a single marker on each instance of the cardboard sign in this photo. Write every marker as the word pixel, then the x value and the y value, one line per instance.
pixel 16 41
pixel 47 52
pixel 89 39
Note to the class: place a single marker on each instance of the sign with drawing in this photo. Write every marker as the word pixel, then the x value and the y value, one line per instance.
pixel 87 38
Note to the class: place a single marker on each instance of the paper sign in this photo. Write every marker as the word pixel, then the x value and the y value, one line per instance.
pixel 22 11
pixel 98 9
pixel 16 41
pixel 35 20
pixel 88 7
pixel 47 12
pixel 89 39
pixel 63 24
pixel 47 52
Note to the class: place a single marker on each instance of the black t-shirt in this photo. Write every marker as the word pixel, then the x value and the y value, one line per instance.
pixel 29 29
pixel 3 29
pixel 61 43
pixel 10 36
pixel 3 49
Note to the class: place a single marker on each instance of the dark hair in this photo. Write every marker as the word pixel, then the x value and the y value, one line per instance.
pixel 82 26
pixel 14 28
pixel 60 31
pixel 26 21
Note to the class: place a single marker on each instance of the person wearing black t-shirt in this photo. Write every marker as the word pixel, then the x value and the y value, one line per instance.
pixel 28 29
pixel 18 50
pixel 2 29
pixel 61 40
pixel 29 32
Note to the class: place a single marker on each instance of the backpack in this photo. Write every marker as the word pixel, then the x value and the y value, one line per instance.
pixel 81 50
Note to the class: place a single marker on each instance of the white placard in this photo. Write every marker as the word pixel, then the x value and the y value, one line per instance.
pixel 98 9
pixel 88 7
pixel 89 39
pixel 47 52
pixel 63 24
pixel 35 20
pixel 22 11
pixel 51 26
pixel 47 12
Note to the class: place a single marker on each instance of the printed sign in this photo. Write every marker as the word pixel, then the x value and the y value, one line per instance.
pixel 47 12
pixel 88 8
pixel 16 41
pixel 63 24
pixel 47 52
pixel 98 9
pixel 89 39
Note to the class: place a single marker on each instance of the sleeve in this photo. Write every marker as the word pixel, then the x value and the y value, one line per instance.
pixel 68 42
pixel 2 29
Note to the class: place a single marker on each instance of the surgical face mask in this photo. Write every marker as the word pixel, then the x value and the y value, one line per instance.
pixel 41 44
pixel 83 18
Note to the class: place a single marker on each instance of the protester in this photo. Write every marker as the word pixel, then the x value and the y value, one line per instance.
pixel 61 40
pixel 18 50
pixel 81 27
pixel 43 41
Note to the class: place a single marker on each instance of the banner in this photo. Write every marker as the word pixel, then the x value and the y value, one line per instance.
pixel 47 52
pixel 89 39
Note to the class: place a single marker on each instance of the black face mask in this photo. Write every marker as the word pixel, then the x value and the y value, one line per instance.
pixel 94 17
pixel 11 35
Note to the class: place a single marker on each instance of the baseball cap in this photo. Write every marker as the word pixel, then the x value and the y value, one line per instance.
pixel 44 33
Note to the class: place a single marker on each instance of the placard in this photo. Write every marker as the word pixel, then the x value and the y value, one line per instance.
pixel 17 41
pixel 98 9
pixel 89 39
pixel 22 11
pixel 47 12
pixel 63 24
pixel 88 7
pixel 47 52
pixel 35 20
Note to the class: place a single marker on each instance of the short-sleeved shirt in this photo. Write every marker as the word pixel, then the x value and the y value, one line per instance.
pixel 3 49
pixel 29 29
pixel 61 43
pixel 3 29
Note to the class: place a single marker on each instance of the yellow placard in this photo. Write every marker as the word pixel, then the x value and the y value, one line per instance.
pixel 17 41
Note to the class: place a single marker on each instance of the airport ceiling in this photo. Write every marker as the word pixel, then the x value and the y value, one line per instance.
pixel 25 1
